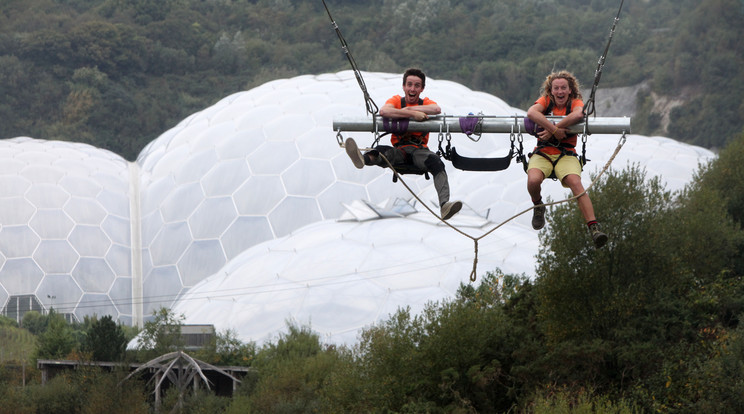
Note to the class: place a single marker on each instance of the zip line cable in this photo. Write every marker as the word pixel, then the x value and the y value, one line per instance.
pixel 589 106
pixel 369 103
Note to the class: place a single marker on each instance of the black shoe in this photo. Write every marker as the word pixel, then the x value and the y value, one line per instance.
pixel 538 217
pixel 352 150
pixel 599 238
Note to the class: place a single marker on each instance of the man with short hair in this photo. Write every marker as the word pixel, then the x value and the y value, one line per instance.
pixel 410 147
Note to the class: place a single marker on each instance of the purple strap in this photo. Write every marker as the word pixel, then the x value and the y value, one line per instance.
pixel 468 124
pixel 396 126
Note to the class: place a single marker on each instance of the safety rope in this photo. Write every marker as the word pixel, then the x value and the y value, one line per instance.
pixel 368 102
pixel 473 273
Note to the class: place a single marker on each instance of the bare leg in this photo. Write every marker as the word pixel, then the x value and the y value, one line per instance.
pixel 535 177
pixel 573 182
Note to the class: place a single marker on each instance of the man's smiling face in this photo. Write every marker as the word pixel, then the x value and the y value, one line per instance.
pixel 560 91
pixel 413 86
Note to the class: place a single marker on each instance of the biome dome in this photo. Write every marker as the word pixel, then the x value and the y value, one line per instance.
pixel 254 192
pixel 65 238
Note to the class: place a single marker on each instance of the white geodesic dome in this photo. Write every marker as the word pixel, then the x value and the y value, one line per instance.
pixel 65 236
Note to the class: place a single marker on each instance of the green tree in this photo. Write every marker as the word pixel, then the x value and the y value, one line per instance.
pixel 58 340
pixel 290 373
pixel 227 349
pixel 105 340
pixel 35 322
pixel 627 314
pixel 162 334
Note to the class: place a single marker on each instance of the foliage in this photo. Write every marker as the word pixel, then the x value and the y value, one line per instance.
pixel 117 73
pixel 290 373
pixel 565 402
pixel 58 340
pixel 105 340
pixel 639 312
pixel 16 343
pixel 227 349
pixel 161 334
pixel 34 322
pixel 88 390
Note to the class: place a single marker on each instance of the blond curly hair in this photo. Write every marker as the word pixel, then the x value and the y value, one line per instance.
pixel 573 84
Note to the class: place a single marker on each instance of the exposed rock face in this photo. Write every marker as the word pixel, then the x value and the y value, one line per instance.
pixel 621 101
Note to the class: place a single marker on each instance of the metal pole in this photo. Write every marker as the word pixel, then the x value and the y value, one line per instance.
pixel 494 124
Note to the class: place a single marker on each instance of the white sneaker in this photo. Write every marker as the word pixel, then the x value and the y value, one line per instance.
pixel 450 208
pixel 352 150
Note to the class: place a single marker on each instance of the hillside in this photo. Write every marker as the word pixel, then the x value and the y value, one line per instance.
pixel 118 73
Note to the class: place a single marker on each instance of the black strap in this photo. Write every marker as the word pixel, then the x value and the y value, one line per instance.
pixel 403 102
pixel 409 138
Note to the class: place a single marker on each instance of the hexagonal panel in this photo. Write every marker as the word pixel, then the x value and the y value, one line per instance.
pixel 297 177
pixel 244 233
pixel 20 276
pixel 16 210
pixel 80 186
pixel 196 166
pixel 293 213
pixel 93 275
pixel 117 229
pixel 18 241
pixel 14 185
pixel 99 305
pixel 121 294
pixel 259 195
pixel 42 174
pixel 47 196
pixel 120 260
pixel 225 177
pixel 60 291
pixel 85 211
pixel 181 202
pixel 212 218
pixel 200 260
pixel 52 224
pixel 265 160
pixel 89 241
pixel 161 288
pixel 114 202
pixel 170 244
pixel 56 256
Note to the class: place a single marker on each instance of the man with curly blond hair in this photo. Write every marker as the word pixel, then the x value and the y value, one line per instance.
pixel 555 153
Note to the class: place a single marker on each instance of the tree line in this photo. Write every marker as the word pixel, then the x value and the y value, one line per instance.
pixel 118 73
pixel 650 323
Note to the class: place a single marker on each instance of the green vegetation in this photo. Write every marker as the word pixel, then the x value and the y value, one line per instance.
pixel 17 343
pixel 118 73
pixel 650 323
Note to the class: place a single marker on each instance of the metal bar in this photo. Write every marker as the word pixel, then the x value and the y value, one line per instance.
pixel 490 124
